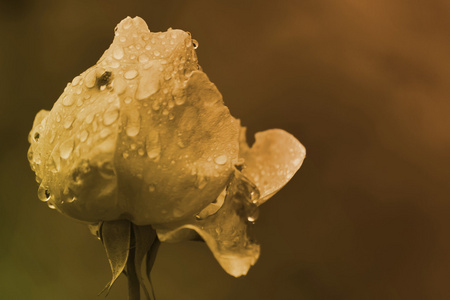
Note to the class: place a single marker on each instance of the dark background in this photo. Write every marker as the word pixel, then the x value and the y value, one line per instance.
pixel 364 85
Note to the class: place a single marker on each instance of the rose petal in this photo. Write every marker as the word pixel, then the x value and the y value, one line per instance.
pixel 272 160
pixel 226 232
pixel 142 135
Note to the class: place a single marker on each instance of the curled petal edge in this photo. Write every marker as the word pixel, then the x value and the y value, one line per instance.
pixel 227 232
pixel 272 160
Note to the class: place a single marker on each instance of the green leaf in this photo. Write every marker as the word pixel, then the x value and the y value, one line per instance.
pixel 116 241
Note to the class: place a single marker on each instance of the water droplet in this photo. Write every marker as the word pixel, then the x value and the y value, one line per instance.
pixel 156 105
pixel 58 117
pixel 43 194
pixel 51 205
pixel 68 122
pixel 143 58
pixel 252 212
pixel 133 122
pixel 151 188
pixel 89 80
pixel 148 84
pixel 127 23
pixel 156 53
pixel 73 199
pixel 119 85
pixel 55 162
pixel 76 81
pixel 118 53
pixel 195 43
pixel 130 74
pixel 66 148
pixel 114 64
pixel 125 155
pixel 141 152
pixel 127 100
pixel 153 145
pixel 89 118
pixel 105 132
pixel 220 160
pixel 67 100
pixel 110 115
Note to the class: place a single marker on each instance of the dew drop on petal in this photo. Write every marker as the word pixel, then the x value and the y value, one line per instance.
pixel 143 58
pixel 67 100
pixel 43 194
pixel 110 115
pixel 130 74
pixel 68 122
pixel 118 53
pixel 133 122
pixel 119 85
pixel 66 148
pixel 105 132
pixel 76 81
pixel 153 145
pixel 220 160
pixel 89 80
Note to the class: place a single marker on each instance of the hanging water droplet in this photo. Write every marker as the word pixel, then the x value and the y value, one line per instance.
pixel 252 212
pixel 51 205
pixel 141 152
pixel 72 199
pixel 195 43
pixel 43 194
pixel 125 155
pixel 153 145
pixel 118 53
pixel 130 74
pixel 151 188
pixel 220 160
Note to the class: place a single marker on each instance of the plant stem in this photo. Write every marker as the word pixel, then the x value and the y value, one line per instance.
pixel 133 282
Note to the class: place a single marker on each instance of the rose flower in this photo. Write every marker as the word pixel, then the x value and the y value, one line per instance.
pixel 142 148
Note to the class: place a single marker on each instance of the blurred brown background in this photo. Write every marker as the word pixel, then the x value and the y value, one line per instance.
pixel 364 85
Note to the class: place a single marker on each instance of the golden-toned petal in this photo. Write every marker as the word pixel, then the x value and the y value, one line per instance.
pixel 272 160
pixel 142 135
pixel 226 232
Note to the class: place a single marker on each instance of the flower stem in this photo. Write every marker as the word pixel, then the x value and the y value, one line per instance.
pixel 133 281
